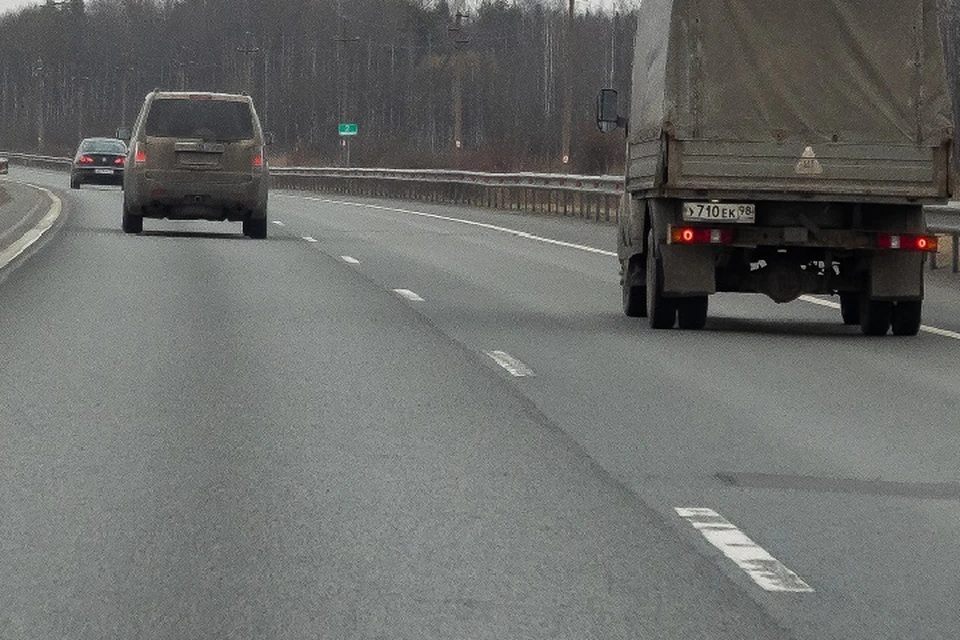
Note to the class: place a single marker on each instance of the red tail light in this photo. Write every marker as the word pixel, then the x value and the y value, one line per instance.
pixel 700 235
pixel 120 161
pixel 85 160
pixel 908 242
pixel 258 160
pixel 140 156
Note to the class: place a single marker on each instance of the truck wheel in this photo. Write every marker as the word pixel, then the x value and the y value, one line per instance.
pixel 850 307
pixel 875 316
pixel 906 317
pixel 634 301
pixel 661 311
pixel 634 296
pixel 692 312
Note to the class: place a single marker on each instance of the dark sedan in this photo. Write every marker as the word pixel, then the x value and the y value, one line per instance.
pixel 98 161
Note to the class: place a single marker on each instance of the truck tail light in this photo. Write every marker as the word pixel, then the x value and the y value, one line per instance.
pixel 700 235
pixel 907 242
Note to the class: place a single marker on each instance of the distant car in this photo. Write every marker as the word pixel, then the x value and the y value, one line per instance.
pixel 4 166
pixel 197 156
pixel 98 161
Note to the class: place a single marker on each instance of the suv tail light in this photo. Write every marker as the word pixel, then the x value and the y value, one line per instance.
pixel 258 159
pixel 139 155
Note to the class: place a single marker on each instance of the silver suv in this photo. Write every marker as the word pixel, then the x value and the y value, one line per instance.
pixel 196 156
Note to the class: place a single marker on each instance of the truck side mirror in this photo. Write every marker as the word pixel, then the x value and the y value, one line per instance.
pixel 608 117
pixel 123 133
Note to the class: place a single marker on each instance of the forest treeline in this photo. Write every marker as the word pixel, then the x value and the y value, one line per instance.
pixel 429 83
pixel 426 87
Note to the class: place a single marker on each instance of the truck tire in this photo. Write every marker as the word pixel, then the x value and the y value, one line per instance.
pixel 850 307
pixel 875 316
pixel 907 317
pixel 634 296
pixel 661 311
pixel 692 312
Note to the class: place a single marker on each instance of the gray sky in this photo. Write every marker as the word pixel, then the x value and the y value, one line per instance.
pixel 9 5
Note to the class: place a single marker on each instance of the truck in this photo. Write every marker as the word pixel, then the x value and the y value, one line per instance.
pixel 783 148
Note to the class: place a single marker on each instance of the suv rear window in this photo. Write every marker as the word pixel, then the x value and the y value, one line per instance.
pixel 207 119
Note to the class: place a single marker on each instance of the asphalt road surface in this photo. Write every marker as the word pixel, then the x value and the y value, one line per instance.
pixel 401 420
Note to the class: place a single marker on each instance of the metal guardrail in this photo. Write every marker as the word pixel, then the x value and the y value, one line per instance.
pixel 587 197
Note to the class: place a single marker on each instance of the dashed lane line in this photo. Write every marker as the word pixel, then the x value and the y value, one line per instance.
pixel 557 243
pixel 480 225
pixel 514 367
pixel 278 223
pixel 408 295
pixel 763 568
pixel 349 259
pixel 30 238
pixel 310 239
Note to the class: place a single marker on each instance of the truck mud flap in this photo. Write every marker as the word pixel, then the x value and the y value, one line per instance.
pixel 688 271
pixel 896 276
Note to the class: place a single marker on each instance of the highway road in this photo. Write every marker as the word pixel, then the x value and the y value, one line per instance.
pixel 403 420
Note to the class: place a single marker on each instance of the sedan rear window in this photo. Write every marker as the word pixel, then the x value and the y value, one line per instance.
pixel 104 146
pixel 206 119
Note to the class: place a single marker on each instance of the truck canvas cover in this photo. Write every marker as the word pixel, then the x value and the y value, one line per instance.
pixel 842 97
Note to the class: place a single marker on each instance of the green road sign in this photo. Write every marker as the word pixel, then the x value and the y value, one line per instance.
pixel 347 129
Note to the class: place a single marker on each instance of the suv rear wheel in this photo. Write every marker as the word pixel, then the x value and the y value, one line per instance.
pixel 131 223
pixel 255 228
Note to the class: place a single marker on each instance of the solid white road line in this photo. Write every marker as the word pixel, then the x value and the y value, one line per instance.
pixel 557 243
pixel 516 368
pixel 481 225
pixel 409 295
pixel 28 239
pixel 278 223
pixel 310 239
pixel 764 569
pixel 349 260
pixel 944 333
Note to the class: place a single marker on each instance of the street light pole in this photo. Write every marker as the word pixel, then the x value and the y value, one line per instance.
pixel 568 89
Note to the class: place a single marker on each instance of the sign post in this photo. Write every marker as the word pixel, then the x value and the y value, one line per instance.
pixel 346 130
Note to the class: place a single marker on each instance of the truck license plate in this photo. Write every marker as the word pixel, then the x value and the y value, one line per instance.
pixel 719 212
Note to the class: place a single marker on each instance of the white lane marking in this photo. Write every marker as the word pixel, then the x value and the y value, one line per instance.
pixel 516 368
pixel 309 239
pixel 481 225
pixel 763 568
pixel 944 333
pixel 821 302
pixel 409 295
pixel 940 332
pixel 278 223
pixel 556 243
pixel 28 239
pixel 349 260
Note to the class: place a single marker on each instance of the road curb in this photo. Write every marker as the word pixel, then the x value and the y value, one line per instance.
pixel 20 249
